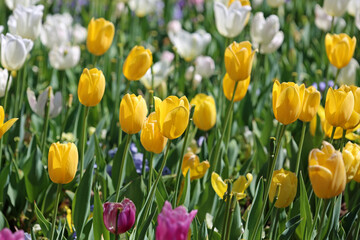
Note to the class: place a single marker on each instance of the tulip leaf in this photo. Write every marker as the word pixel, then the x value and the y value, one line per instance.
pixel 333 223
pixel 88 232
pixel 185 191
pixel 4 180
pixel 349 219
pixel 260 157
pixel 3 221
pixel 203 233
pixel 44 224
pixel 305 210
pixel 291 226
pixel 237 227
pixel 99 227
pixel 144 226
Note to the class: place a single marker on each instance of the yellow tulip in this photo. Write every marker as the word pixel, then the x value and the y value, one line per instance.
pixel 91 87
pixel 354 119
pixel 310 104
pixel 137 63
pixel 238 187
pixel 192 163
pixel 4 127
pixel 241 89
pixel 351 157
pixel 287 99
pixel 287 182
pixel 327 171
pixel 205 111
pixel 339 106
pixel 238 60
pixel 132 114
pixel 151 137
pixel 62 162
pixel 339 49
pixel 173 115
pixel 100 36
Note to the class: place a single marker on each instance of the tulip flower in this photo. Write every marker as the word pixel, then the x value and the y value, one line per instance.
pixel 327 171
pixel 143 7
pixel 347 74
pixel 12 4
pixel 137 63
pixel 119 217
pixel 287 182
pixel 64 57
pixel 6 234
pixel 4 78
pixel 353 7
pixel 26 21
pixel 4 127
pixel 238 187
pixel 192 163
pixel 354 119
pixel 204 66
pixel 39 105
pixel 230 21
pixel 339 49
pixel 172 114
pixel 151 137
pixel 100 36
pixel 287 101
pixel 205 111
pixel 14 51
pixel 335 8
pixel 133 111
pixel 351 157
pixel 275 3
pixel 79 34
pixel 62 162
pixel 56 31
pixel 311 103
pixel 238 60
pixel 323 21
pixel 91 87
pixel 174 223
pixel 241 90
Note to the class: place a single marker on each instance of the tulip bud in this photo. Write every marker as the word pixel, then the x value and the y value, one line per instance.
pixel 327 171
pixel 62 162
pixel 339 106
pixel 351 157
pixel 205 111
pixel 91 87
pixel 100 36
pixel 133 111
pixel 4 78
pixel 287 182
pixel 238 187
pixel 192 163
pixel 173 115
pixel 137 63
pixel 151 137
pixel 123 213
pixel 238 60
pixel 311 103
pixel 287 101
pixel 339 49
pixel 241 89
pixel 174 224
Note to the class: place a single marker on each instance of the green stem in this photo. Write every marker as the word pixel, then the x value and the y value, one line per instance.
pixel 273 229
pixel 303 130
pixel 357 229
pixel 55 211
pixel 230 218
pixel 6 92
pixel 322 219
pixel 336 76
pixel 150 170
pixel 46 124
pixel 152 77
pixel 83 140
pixel 123 160
pixel 227 210
pixel 318 206
pixel 343 140
pixel 332 134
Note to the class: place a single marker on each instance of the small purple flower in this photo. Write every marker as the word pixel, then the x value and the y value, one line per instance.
pixel 322 86
pixel 112 152
pixel 201 141
pixel 123 212
pixel 177 14
pixel 6 234
pixel 166 171
pixel 133 148
pixel 315 85
pixel 138 162
pixel 331 83
pixel 108 169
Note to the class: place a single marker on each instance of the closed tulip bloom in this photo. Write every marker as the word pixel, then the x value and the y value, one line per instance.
pixel 339 106
pixel 39 105
pixel 137 63
pixel 151 137
pixel 64 57
pixel 354 119
pixel 174 223
pixel 287 100
pixel 6 234
pixel 205 111
pixel 351 157
pixel 339 49
pixel 119 217
pixel 4 127
pixel 310 104
pixel 4 78
pixel 14 51
pixel 287 182
pixel 173 115
pixel 62 162
pixel 241 89
pixel 238 187
pixel 91 87
pixel 192 163
pixel 100 36
pixel 133 111
pixel 335 8
pixel 238 60
pixel 327 171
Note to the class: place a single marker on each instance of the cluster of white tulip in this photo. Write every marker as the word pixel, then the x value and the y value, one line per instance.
pixel 143 7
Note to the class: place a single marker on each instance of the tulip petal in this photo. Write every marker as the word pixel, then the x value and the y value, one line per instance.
pixel 4 128
pixel 218 185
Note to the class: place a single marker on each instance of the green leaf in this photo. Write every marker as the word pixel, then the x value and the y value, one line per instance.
pixel 305 210
pixel 185 192
pixel 144 226
pixel 291 226
pixel 99 227
pixel 349 219
pixel 237 226
pixel 44 224
pixel 3 222
pixel 203 233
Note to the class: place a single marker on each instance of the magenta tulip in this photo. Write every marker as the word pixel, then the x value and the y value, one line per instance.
pixel 174 224
pixel 124 212
pixel 6 234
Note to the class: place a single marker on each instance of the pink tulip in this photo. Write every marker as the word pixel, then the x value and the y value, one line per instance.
pixel 6 234
pixel 174 224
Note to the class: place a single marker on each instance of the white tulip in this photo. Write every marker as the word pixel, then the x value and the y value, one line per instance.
pixel 273 45
pixel 357 20
pixel 4 78
pixel 335 8
pixel 174 26
pixel 190 45
pixel 79 34
pixel 275 3
pixel 12 4
pixel 193 76
pixel 347 74
pixel 26 21
pixel 38 106
pixel 14 51
pixel 120 9
pixel 64 57
pixel 353 7
pixel 323 21
pixel 204 66
pixel 143 7
pixel 56 30
pixel 230 21
pixel 1 28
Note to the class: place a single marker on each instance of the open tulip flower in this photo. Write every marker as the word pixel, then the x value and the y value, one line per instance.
pixel 192 163
pixel 238 187
pixel 339 49
pixel 137 63
pixel 119 217
pixel 4 127
pixel 38 105
pixel 287 183
pixel 100 36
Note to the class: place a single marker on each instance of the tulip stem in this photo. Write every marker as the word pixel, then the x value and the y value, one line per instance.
pixel 301 143
pixel 123 160
pixel 343 140
pixel 150 170
pixel 336 76
pixel 83 140
pixel 55 211
pixel 318 206
pixel 46 124
pixel 357 229
pixel 318 237
pixel 232 209
pixel 227 209
pixel 332 134
pixel 274 224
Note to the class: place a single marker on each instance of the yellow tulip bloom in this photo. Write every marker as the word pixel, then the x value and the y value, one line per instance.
pixel 287 182
pixel 151 137
pixel 310 104
pixel 137 63
pixel 241 89
pixel 339 106
pixel 339 49
pixel 4 127
pixel 100 36
pixel 351 157
pixel 192 163
pixel 354 119
pixel 132 114
pixel 238 187
pixel 205 111
pixel 91 87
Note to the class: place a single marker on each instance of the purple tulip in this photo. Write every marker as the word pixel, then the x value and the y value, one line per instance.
pixel 174 224
pixel 6 234
pixel 124 212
